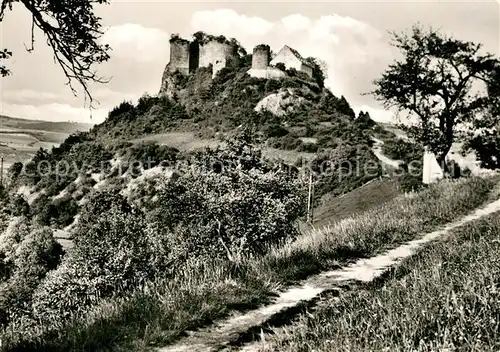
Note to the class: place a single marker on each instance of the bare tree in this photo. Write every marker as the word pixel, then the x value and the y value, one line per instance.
pixel 72 30
pixel 439 81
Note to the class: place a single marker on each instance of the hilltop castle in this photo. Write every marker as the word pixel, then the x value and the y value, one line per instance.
pixel 207 50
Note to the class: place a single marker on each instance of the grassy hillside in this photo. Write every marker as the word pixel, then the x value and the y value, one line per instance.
pixel 298 114
pixel 331 208
pixel 443 298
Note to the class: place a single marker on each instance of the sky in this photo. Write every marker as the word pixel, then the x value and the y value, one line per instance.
pixel 351 37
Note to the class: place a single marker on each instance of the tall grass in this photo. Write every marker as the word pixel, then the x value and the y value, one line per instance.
pixel 160 312
pixel 445 298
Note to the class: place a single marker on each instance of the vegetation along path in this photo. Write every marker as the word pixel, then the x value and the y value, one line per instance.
pixel 233 330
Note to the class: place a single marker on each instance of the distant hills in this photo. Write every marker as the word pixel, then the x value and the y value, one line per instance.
pixel 21 138
pixel 7 122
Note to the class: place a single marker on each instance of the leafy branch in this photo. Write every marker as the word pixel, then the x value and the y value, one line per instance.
pixel 73 32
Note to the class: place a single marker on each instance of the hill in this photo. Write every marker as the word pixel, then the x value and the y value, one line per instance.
pixel 21 138
pixel 291 119
pixel 185 207
pixel 66 127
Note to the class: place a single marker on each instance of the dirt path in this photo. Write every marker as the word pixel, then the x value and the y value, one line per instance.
pixel 377 150
pixel 224 333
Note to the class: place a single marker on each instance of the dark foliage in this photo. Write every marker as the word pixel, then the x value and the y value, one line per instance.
pixel 435 82
pixel 486 145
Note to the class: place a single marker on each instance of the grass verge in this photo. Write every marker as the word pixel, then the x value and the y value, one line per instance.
pixel 161 312
pixel 445 298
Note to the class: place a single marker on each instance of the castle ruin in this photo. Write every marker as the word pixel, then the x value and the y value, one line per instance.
pixel 218 52
pixel 261 59
pixel 204 51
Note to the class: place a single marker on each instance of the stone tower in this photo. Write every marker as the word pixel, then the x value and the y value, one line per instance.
pixel 261 57
pixel 179 55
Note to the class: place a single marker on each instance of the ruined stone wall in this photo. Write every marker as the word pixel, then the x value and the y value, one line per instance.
pixel 269 72
pixel 261 57
pixel 179 56
pixel 216 54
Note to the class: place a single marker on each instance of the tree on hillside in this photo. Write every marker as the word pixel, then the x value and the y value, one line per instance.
pixel 484 140
pixel 72 30
pixel 319 68
pixel 441 82
pixel 364 120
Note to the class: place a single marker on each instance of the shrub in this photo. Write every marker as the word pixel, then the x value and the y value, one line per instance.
pixel 240 208
pixel 14 171
pixel 36 254
pixel 486 146
pixel 63 211
pixel 399 149
pixel 288 142
pixel 19 205
pixel 364 120
pixel 281 66
pixel 60 211
pixel 10 239
pixel 344 168
pixel 124 108
pixel 292 72
pixel 272 85
pixel 27 253
pixel 111 255
pixel 40 209
pixel 409 183
pixel 308 147
pixel 276 130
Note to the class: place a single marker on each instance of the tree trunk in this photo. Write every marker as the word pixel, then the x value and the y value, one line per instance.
pixel 441 159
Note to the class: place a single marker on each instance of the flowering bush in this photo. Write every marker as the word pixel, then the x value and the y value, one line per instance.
pixel 10 239
pixel 240 208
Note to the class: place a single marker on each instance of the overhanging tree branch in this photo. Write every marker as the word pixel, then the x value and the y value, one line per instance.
pixel 73 32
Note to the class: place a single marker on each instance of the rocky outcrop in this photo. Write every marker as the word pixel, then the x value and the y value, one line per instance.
pixel 281 103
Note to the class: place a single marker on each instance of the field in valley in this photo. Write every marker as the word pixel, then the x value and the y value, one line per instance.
pixel 20 138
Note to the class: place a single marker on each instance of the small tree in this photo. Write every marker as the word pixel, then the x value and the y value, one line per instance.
pixel 281 66
pixel 436 82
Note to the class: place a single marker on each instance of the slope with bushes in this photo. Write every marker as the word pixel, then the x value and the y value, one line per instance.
pixel 198 291
pixel 54 183
pixel 172 239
